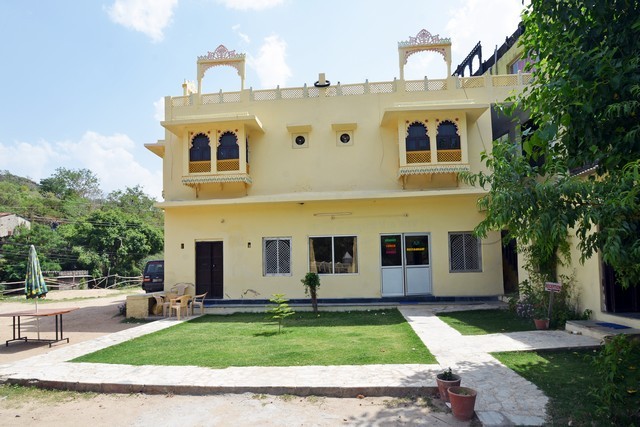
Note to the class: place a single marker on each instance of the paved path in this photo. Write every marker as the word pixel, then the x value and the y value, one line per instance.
pixel 504 398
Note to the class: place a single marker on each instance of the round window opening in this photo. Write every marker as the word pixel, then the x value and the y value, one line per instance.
pixel 300 140
pixel 345 138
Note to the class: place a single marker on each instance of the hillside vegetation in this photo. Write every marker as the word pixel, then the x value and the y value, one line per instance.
pixel 75 226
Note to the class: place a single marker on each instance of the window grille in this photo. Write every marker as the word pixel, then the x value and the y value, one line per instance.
pixel 464 252
pixel 277 256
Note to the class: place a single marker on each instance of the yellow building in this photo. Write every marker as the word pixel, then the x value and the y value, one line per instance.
pixel 358 182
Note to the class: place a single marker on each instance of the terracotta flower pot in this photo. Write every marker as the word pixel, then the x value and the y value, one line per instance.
pixel 443 386
pixel 541 323
pixel 463 402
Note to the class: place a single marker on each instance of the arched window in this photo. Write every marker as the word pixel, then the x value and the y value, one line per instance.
pixel 448 142
pixel 228 147
pixel 448 138
pixel 417 144
pixel 417 138
pixel 200 150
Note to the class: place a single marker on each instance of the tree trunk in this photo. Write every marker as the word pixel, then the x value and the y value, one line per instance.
pixel 314 300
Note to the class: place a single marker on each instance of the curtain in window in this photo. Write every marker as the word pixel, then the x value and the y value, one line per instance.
pixel 354 264
pixel 313 268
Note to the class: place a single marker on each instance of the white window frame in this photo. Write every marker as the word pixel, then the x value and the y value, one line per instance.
pixel 264 256
pixel 478 246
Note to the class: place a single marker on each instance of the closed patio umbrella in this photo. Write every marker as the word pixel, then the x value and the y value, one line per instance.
pixel 34 284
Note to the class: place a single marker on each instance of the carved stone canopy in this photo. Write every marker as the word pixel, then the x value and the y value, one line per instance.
pixel 221 57
pixel 424 41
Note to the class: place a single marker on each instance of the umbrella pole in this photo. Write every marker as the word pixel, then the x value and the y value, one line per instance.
pixel 37 320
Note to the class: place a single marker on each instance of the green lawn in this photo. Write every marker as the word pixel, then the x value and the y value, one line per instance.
pixel 564 375
pixel 248 339
pixel 480 322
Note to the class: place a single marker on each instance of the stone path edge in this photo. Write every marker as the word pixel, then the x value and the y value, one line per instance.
pixel 326 391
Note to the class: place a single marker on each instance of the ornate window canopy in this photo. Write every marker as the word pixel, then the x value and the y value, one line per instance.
pixel 218 58
pixel 424 41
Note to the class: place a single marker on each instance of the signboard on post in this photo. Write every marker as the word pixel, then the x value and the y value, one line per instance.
pixel 553 287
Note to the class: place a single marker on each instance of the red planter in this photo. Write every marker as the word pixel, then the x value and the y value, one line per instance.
pixel 463 402
pixel 541 323
pixel 443 386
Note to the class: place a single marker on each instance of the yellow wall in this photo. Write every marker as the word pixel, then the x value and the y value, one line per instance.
pixel 237 226
pixel 290 184
pixel 589 289
pixel 369 163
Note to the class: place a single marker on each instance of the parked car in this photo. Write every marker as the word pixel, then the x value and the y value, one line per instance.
pixel 153 276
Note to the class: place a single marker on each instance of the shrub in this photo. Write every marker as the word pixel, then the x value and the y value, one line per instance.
pixel 533 301
pixel 618 368
pixel 311 284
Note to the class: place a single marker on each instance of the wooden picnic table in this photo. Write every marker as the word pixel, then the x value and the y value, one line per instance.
pixel 41 312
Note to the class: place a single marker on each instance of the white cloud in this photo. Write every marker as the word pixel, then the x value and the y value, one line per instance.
pixel 250 4
pixel 146 16
pixel 468 25
pixel 110 158
pixel 158 108
pixel 270 65
pixel 243 36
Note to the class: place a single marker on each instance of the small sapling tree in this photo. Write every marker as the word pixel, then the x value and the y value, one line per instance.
pixel 280 310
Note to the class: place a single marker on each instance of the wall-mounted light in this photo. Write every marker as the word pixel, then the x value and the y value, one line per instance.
pixel 249 245
pixel 181 245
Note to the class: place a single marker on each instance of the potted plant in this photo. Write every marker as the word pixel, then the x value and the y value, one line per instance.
pixel 445 380
pixel 463 402
pixel 540 317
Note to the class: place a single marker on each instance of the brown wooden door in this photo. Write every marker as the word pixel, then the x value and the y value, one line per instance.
pixel 209 269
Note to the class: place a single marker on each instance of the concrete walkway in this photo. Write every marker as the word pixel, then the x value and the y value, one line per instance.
pixel 504 398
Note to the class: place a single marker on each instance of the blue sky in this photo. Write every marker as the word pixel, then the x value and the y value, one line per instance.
pixel 83 81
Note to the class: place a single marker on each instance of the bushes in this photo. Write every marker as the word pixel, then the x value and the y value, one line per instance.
pixel 618 367
pixel 533 301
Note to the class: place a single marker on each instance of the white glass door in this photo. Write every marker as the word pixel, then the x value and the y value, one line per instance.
pixel 405 264
pixel 392 270
pixel 417 264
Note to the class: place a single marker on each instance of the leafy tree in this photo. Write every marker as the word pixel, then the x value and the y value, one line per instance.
pixel 584 103
pixel 50 246
pixel 133 200
pixel 68 182
pixel 110 241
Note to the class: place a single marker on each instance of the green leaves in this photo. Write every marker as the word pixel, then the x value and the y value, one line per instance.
pixel 584 105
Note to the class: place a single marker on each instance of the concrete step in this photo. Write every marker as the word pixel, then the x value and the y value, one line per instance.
pixel 599 329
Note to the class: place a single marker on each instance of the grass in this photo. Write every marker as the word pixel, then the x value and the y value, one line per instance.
pixel 248 339
pixel 566 376
pixel 16 395
pixel 481 322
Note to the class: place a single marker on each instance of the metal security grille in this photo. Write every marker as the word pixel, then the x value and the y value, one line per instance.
pixel 277 256
pixel 464 252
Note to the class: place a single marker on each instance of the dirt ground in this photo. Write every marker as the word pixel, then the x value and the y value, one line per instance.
pixel 98 314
